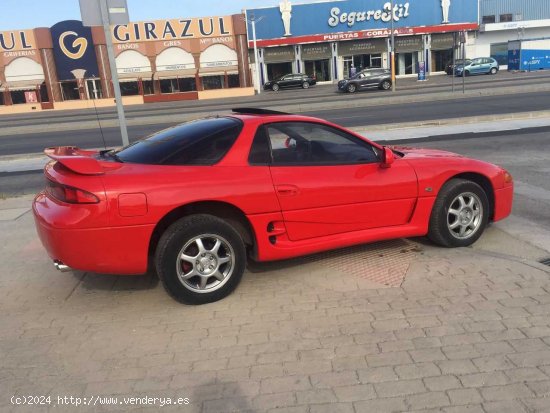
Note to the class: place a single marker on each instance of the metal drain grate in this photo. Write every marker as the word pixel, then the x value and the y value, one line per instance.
pixel 546 261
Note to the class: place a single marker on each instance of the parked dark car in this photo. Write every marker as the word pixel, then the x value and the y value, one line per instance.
pixel 290 80
pixel 367 78
pixel 449 68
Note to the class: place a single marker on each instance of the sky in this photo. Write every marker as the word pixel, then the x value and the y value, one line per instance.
pixel 28 14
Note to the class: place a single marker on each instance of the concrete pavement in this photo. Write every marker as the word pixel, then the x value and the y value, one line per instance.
pixel 394 326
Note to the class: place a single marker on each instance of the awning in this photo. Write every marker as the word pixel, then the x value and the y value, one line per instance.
pixel 133 76
pixel 22 85
pixel 219 71
pixel 170 74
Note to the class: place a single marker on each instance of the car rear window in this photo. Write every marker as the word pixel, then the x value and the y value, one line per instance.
pixel 200 142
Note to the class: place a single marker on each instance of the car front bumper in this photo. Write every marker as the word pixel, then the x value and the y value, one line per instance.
pixel 503 202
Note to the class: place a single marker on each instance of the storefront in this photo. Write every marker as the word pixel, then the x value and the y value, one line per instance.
pixel 355 34
pixel 362 54
pixel 180 59
pixel 442 46
pixel 278 61
pixel 22 76
pixel 316 59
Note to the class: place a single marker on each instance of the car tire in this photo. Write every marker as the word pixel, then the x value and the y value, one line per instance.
pixel 467 73
pixel 459 215
pixel 385 85
pixel 275 87
pixel 351 88
pixel 305 85
pixel 200 259
pixel 493 71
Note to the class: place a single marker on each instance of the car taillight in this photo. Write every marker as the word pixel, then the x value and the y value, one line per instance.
pixel 69 194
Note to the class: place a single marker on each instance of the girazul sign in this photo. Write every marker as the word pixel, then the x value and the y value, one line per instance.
pixel 17 43
pixel 174 29
pixel 73 50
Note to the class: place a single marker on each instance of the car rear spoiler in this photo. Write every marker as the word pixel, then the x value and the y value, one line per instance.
pixel 77 160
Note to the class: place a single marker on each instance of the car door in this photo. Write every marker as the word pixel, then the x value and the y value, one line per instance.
pixel 476 66
pixel 329 181
pixel 364 80
pixel 487 63
pixel 284 81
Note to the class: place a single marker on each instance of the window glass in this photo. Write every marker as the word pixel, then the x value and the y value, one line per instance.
pixel 505 18
pixel 233 81
pixel 302 143
pixel 260 150
pixel 499 52
pixel 212 82
pixel 488 19
pixel 129 88
pixel 201 142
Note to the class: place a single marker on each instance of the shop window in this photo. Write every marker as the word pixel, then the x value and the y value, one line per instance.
pixel 233 81
pixel 276 70
pixel 129 88
pixel 499 52
pixel 506 18
pixel 488 19
pixel 169 86
pixel 177 85
pixel 148 88
pixel 94 89
pixel 70 91
pixel 318 69
pixel 18 97
pixel 440 60
pixel 187 84
pixel 212 82
pixel 44 93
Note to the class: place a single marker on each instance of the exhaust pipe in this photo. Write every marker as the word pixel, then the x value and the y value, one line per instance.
pixel 61 267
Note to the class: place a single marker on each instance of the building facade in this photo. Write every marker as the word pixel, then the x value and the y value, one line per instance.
pixel 327 39
pixel 66 66
pixel 502 21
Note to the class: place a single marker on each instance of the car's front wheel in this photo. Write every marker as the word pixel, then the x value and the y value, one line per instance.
pixel 385 85
pixel 305 85
pixel 351 88
pixel 275 87
pixel 200 259
pixel 459 215
pixel 493 71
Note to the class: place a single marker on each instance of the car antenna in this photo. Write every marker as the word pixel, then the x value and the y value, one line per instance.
pixel 99 122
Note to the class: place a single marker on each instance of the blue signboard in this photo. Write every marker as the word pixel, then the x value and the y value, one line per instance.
pixel 291 20
pixel 73 50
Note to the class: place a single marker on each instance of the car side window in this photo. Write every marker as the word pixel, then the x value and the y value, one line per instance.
pixel 260 151
pixel 304 143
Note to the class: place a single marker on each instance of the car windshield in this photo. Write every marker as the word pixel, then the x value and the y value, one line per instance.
pixel 200 142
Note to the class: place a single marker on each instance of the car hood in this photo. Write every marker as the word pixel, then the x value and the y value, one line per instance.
pixel 424 153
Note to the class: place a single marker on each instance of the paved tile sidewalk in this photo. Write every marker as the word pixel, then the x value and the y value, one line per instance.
pixel 467 330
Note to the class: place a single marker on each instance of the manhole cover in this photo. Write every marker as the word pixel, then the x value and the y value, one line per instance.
pixel 385 262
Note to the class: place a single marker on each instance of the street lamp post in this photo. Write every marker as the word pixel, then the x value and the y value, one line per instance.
pixel 253 19
pixel 392 54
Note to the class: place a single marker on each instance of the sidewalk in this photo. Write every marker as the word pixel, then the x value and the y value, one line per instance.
pixel 393 326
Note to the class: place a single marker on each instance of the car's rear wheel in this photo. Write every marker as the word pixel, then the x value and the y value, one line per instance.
pixel 305 85
pixel 200 259
pixel 385 85
pixel 351 88
pixel 493 71
pixel 459 215
pixel 275 87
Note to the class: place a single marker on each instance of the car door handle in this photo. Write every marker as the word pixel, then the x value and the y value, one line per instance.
pixel 287 190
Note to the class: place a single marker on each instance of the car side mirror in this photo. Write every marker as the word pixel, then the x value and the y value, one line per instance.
pixel 387 158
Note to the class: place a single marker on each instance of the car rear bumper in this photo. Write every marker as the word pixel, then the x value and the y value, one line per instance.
pixel 110 250
pixel 503 202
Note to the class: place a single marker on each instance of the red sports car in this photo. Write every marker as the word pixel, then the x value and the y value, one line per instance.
pixel 194 200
